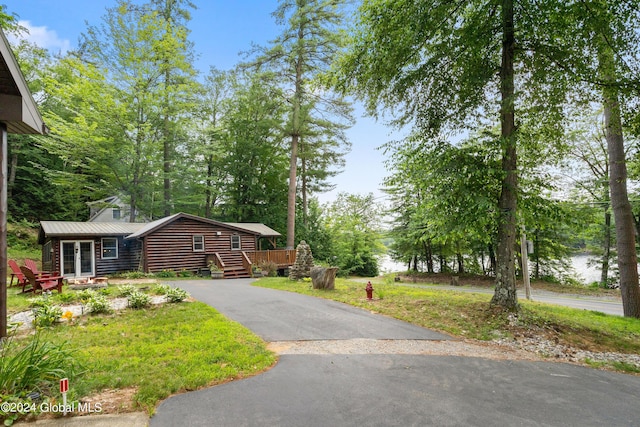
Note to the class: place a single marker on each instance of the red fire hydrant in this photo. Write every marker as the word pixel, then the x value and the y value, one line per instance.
pixel 369 290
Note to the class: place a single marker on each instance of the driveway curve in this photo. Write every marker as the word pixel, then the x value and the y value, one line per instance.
pixel 287 316
pixel 386 389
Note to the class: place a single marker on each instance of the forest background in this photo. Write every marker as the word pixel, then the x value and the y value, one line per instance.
pixel 131 115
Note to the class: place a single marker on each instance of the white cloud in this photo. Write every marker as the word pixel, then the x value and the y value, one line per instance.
pixel 45 38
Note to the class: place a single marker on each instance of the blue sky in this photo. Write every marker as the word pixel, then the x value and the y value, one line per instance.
pixel 220 30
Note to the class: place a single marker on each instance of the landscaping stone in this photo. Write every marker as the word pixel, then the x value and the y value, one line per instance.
pixel 303 264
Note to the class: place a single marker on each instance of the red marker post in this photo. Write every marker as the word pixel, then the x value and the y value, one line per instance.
pixel 64 388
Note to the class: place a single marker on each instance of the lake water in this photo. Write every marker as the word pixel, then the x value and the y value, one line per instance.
pixel 583 272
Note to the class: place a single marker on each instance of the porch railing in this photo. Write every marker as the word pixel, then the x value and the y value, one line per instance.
pixel 282 257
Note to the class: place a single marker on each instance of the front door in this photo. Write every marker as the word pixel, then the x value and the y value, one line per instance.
pixel 78 259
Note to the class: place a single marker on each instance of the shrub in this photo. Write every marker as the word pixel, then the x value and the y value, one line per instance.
pixel 269 268
pixel 99 304
pixel 85 295
pixel 185 273
pixel 134 275
pixel 177 295
pixel 161 289
pixel 44 312
pixel 126 290
pixel 66 297
pixel 166 273
pixel 139 300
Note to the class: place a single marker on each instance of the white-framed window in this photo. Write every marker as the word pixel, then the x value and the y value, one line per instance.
pixel 235 242
pixel 109 248
pixel 198 243
pixel 115 212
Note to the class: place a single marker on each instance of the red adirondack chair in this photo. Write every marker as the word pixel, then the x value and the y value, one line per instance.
pixel 43 283
pixel 19 275
pixel 31 265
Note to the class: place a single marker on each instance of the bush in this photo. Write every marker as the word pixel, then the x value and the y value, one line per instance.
pixel 161 289
pixel 166 274
pixel 185 273
pixel 99 304
pixel 44 312
pixel 85 295
pixel 269 268
pixel 126 290
pixel 177 295
pixel 133 275
pixel 139 300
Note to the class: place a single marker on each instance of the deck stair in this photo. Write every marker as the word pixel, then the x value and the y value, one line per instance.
pixel 233 265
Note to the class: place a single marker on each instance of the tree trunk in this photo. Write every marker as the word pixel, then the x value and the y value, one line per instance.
pixel 428 254
pixel 460 260
pixel 536 255
pixel 492 259
pixel 505 291
pixel 303 193
pixel 12 174
pixel 209 185
pixel 606 246
pixel 622 213
pixel 323 278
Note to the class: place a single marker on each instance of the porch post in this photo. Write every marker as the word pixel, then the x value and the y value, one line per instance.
pixel 3 231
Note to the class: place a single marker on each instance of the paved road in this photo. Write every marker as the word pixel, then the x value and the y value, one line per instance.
pixel 387 390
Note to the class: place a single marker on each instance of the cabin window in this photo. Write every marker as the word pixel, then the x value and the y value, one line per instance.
pixel 198 243
pixel 109 248
pixel 47 250
pixel 235 242
pixel 116 213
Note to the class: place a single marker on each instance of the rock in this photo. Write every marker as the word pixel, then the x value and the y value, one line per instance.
pixel 301 268
pixel 324 278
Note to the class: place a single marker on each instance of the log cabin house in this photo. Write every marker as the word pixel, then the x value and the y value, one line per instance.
pixel 177 242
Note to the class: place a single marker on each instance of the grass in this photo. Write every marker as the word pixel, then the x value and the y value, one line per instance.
pixel 469 315
pixel 160 351
pixel 17 301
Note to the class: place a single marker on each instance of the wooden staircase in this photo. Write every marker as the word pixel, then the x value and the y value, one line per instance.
pixel 234 265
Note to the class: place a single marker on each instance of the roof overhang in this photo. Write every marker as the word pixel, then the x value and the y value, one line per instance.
pixel 18 110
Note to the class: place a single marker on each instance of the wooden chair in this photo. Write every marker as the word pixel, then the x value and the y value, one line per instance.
pixel 44 283
pixel 31 265
pixel 19 275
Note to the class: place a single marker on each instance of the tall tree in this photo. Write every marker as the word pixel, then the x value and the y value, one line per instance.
pixel 354 224
pixel 255 159
pixel 307 46
pixel 605 38
pixel 127 86
pixel 449 66
pixel 173 54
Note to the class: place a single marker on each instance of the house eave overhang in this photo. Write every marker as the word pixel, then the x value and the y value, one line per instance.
pixel 18 110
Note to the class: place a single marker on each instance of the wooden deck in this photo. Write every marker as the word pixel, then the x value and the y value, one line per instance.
pixel 239 264
pixel 282 257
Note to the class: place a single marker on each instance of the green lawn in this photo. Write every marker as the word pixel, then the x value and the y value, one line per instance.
pixel 158 351
pixel 469 315
pixel 162 350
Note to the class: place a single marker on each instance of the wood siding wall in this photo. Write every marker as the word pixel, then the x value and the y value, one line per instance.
pixel 128 255
pixel 171 247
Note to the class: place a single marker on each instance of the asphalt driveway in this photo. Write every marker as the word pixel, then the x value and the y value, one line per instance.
pixel 387 390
